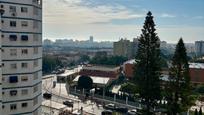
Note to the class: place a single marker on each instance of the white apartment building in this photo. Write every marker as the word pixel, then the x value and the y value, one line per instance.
pixel 199 48
pixel 20 57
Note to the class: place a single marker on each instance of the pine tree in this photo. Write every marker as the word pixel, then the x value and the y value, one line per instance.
pixel 147 69
pixel 179 81
pixel 200 111
pixel 196 112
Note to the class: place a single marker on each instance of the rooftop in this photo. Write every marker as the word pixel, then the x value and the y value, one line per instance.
pixel 132 61
pixel 70 72
pixel 196 65
pixel 101 68
pixel 96 80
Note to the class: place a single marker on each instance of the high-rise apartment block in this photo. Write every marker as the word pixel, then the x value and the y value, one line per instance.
pixel 126 48
pixel 199 48
pixel 20 57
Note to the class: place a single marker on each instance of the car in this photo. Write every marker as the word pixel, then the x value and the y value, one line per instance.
pixel 106 112
pixel 69 103
pixel 132 112
pixel 121 109
pixel 110 106
pixel 47 95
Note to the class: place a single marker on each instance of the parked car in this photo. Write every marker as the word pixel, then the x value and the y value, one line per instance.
pixel 121 109
pixel 47 95
pixel 69 103
pixel 110 106
pixel 132 112
pixel 106 112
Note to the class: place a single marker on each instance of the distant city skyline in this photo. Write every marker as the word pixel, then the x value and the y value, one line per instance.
pixel 111 20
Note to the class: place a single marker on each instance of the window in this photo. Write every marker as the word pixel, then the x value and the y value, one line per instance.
pixel 35 89
pixel 24 38
pixel 24 78
pixel 24 92
pixel 13 23
pixel 13 52
pixel 24 65
pixel 35 76
pixel 35 50
pixel 13 92
pixel 35 37
pixel 24 23
pixel 35 11
pixel 24 9
pixel 24 104
pixel 13 106
pixel 13 66
pixel 13 79
pixel 35 101
pixel 35 63
pixel 24 51
pixel 3 78
pixel 35 24
pixel 13 37
pixel 12 8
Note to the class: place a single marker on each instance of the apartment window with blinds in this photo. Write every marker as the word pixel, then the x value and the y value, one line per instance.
pixel 13 37
pixel 23 105
pixel 24 92
pixel 35 24
pixel 35 89
pixel 35 50
pixel 13 92
pixel 35 101
pixel 13 107
pixel 35 37
pixel 24 51
pixel 13 52
pixel 24 78
pixel 24 9
pixel 12 8
pixel 24 65
pixel 35 76
pixel 13 66
pixel 35 63
pixel 35 11
pixel 12 23
pixel 24 23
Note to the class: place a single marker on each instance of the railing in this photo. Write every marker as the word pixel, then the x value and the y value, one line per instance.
pixel 107 98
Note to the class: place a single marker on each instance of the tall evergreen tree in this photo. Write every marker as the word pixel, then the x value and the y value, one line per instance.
pixel 147 69
pixel 200 111
pixel 196 112
pixel 178 89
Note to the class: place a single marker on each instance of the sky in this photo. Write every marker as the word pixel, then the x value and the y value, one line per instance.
pixel 110 20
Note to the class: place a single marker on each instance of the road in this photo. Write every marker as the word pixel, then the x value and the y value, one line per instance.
pixel 59 95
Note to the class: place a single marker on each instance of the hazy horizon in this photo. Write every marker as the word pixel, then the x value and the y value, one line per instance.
pixel 111 20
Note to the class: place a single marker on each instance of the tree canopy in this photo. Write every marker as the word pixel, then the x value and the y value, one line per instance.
pixel 105 60
pixel 147 73
pixel 178 88
pixel 85 82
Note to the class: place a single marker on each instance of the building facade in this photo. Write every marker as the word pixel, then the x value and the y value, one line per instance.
pixel 21 57
pixel 100 71
pixel 126 48
pixel 199 48
pixel 196 71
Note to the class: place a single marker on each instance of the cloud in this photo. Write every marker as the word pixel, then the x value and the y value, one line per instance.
pixel 82 12
pixel 198 17
pixel 165 15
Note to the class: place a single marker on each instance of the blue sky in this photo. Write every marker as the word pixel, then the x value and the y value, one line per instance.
pixel 113 19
